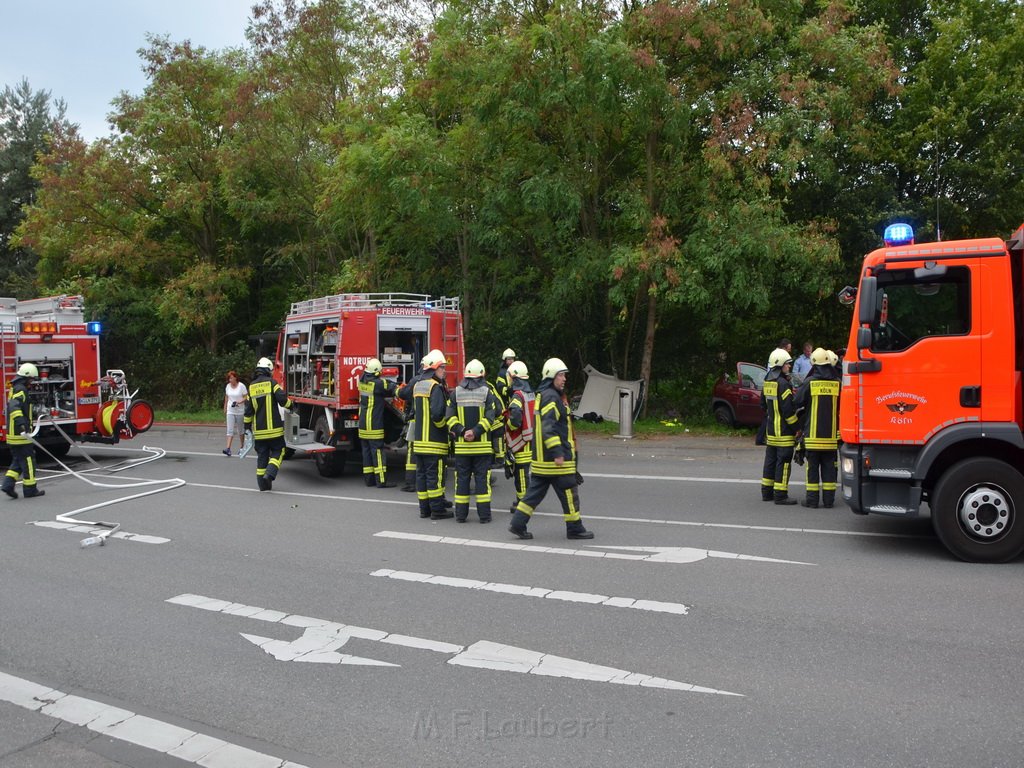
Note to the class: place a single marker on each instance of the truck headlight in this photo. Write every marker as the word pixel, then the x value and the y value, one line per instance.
pixel 847 465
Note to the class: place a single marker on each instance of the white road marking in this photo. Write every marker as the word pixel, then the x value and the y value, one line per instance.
pixel 610 518
pixel 657 554
pixel 125 725
pixel 550 594
pixel 321 639
pixel 139 537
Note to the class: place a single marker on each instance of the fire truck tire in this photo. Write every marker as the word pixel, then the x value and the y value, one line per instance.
pixel 58 450
pixel 330 464
pixel 974 510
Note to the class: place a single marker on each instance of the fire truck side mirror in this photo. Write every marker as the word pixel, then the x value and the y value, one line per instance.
pixel 868 295
pixel 863 338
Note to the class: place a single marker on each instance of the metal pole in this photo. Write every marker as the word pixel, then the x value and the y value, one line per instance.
pixel 625 414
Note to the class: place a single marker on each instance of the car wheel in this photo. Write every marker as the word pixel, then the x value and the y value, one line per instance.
pixel 723 415
pixel 974 510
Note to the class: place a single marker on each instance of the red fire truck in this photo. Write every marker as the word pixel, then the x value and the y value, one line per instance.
pixel 932 400
pixel 326 342
pixel 70 397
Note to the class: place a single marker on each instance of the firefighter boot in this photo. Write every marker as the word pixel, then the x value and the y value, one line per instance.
pixel 262 483
pixel 519 523
pixel 410 482
pixel 483 509
pixel 811 501
pixel 461 511
pixel 31 491
pixel 575 530
pixel 766 493
pixel 828 498
pixel 424 509
pixel 369 480
pixel 782 498
pixel 8 487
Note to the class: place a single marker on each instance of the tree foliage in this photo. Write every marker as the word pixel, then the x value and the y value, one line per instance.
pixel 647 187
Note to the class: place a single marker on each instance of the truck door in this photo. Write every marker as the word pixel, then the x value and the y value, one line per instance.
pixel 927 340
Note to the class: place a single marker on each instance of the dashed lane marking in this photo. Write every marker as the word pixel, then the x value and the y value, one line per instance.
pixel 543 592
pixel 142 538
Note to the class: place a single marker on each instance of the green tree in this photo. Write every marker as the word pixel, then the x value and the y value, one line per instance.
pixel 27 120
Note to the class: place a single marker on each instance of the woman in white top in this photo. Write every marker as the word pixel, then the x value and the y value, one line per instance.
pixel 235 395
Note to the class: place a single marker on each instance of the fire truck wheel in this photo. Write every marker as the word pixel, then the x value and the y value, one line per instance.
pixel 330 464
pixel 974 510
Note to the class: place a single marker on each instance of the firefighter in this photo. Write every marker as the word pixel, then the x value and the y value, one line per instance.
pixel 373 390
pixel 502 383
pixel 817 401
pixel 500 388
pixel 430 404
pixel 405 392
pixel 19 425
pixel 781 432
pixel 263 419
pixel 519 429
pixel 472 412
pixel 554 458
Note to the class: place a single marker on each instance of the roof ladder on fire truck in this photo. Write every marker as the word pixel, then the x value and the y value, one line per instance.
pixel 8 335
pixel 451 334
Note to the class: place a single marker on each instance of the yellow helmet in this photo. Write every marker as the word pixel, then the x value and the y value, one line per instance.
pixel 28 370
pixel 373 366
pixel 518 370
pixel 819 357
pixel 779 358
pixel 474 369
pixel 508 353
pixel 552 367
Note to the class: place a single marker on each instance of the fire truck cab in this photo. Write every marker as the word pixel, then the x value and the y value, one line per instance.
pixel 71 401
pixel 931 400
pixel 326 342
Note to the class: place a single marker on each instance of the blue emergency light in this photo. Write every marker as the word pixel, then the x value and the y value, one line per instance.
pixel 94 328
pixel 898 234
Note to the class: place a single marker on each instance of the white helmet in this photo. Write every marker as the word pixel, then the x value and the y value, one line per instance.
pixel 508 353
pixel 372 366
pixel 518 370
pixel 474 369
pixel 833 358
pixel 779 358
pixel 264 364
pixel 28 370
pixel 819 357
pixel 552 367
pixel 434 359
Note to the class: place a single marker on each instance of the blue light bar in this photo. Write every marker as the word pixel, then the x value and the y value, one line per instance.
pixel 898 234
pixel 94 328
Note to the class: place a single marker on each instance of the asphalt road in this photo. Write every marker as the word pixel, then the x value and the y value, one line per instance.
pixel 325 624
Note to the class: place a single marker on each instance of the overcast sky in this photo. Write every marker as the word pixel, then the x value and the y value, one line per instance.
pixel 86 51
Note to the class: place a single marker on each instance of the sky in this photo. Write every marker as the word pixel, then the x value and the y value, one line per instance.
pixel 86 51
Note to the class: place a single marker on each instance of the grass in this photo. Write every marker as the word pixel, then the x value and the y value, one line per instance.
pixel 202 416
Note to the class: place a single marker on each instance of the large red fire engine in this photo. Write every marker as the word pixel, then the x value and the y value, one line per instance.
pixel 326 342
pixel 70 396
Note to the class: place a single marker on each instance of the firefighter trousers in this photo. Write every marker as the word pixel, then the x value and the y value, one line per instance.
pixel 23 466
pixel 374 470
pixel 521 478
pixel 269 455
pixel 566 490
pixel 430 483
pixel 473 468
pixel 822 474
pixel 775 474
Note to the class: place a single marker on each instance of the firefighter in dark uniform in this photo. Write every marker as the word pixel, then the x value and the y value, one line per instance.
pixel 263 418
pixel 430 404
pixel 817 401
pixel 502 390
pixel 519 428
pixel 472 413
pixel 780 413
pixel 554 457
pixel 405 393
pixel 373 390
pixel 19 425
